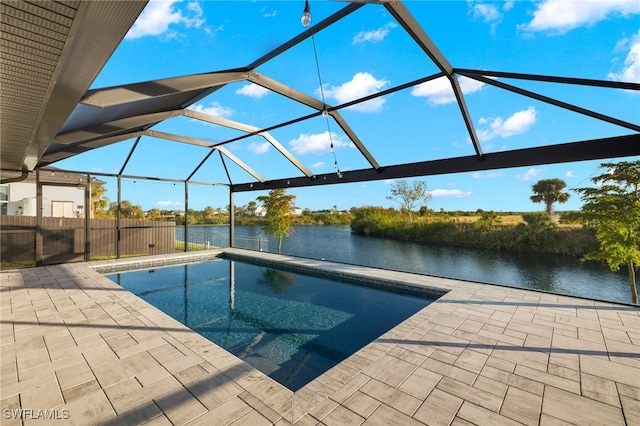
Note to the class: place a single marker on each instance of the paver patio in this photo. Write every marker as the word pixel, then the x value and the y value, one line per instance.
pixel 76 346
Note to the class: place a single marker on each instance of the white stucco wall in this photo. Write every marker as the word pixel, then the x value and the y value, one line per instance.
pixel 23 195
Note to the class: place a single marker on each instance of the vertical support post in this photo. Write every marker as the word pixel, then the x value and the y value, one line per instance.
pixel 186 215
pixel 118 222
pixel 39 236
pixel 87 220
pixel 232 221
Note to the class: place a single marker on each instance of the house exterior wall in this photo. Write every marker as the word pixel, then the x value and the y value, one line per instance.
pixel 21 199
pixel 260 211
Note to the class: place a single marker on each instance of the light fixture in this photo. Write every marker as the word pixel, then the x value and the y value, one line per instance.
pixel 306 14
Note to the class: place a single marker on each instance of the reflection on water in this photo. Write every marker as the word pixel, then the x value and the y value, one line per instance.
pixel 561 274
pixel 277 281
pixel 292 327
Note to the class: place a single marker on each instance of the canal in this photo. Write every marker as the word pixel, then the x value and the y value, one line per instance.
pixel 554 273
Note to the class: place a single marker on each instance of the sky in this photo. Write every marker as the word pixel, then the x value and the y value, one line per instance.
pixel 366 53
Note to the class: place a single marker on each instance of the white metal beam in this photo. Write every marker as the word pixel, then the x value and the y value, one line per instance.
pixel 105 130
pixel 150 89
pixel 314 103
pixel 419 35
pixel 249 129
pixel 207 144
pixel 354 138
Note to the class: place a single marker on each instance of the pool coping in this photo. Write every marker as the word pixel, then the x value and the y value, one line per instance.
pixel 472 355
pixel 318 270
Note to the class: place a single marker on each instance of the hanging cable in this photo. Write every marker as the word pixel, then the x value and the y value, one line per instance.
pixel 580 183
pixel 325 112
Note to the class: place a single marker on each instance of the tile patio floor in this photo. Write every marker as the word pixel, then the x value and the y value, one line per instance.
pixel 74 344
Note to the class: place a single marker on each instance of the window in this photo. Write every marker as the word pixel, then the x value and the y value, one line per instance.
pixel 62 209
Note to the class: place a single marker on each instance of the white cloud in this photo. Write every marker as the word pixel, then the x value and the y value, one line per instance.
pixel 169 204
pixel 159 15
pixel 569 174
pixel 215 109
pixel 487 12
pixel 318 165
pixel 487 175
pixel 631 69
pixel 518 123
pixel 259 148
pixel 560 16
pixel 213 31
pixel 389 181
pixel 362 84
pixel 440 92
pixel 267 14
pixel 374 36
pixel 252 90
pixel 530 174
pixel 318 143
pixel 450 193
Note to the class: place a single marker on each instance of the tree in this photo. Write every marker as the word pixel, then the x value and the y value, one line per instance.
pixel 99 202
pixel 251 207
pixel 279 221
pixel 424 211
pixel 549 191
pixel 127 210
pixel 612 207
pixel 153 213
pixel 409 196
pixel 488 218
pixel 208 213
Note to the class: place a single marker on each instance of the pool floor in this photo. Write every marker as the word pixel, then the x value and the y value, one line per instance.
pixel 291 326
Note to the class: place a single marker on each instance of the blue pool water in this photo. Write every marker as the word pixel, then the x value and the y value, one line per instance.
pixel 290 326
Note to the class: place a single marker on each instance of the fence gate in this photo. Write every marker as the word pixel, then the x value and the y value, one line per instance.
pixel 60 239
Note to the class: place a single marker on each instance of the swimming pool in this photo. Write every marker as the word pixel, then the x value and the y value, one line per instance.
pixel 291 326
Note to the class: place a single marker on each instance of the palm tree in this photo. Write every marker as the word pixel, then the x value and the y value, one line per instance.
pixel 251 207
pixel 99 201
pixel 549 191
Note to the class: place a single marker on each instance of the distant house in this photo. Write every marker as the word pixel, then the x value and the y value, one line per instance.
pixel 66 200
pixel 260 211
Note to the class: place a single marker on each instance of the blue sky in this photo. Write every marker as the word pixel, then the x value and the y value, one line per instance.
pixel 365 53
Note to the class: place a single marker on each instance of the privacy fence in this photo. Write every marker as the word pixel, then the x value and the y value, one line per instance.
pixel 64 239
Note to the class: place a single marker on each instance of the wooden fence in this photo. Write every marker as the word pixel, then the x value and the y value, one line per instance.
pixel 64 238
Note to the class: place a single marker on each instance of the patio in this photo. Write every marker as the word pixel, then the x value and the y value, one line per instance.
pixel 79 348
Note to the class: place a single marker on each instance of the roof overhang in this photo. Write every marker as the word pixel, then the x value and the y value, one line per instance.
pixel 51 53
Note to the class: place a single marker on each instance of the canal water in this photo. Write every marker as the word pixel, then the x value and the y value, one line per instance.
pixel 554 273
